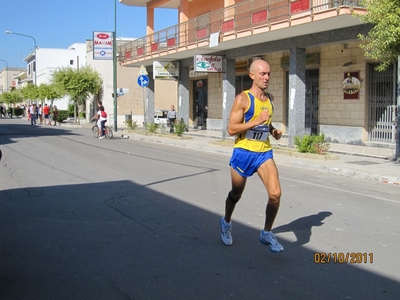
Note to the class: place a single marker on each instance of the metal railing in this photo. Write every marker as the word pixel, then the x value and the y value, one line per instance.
pixel 244 16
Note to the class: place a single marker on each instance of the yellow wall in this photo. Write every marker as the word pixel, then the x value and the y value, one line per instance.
pixel 166 93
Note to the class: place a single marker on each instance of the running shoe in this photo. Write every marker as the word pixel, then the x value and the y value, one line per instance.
pixel 226 232
pixel 268 239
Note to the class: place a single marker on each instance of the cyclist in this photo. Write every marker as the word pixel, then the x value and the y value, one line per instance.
pixel 101 117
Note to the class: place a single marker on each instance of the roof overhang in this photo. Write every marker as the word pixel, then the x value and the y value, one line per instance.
pixel 154 3
pixel 26 80
pixel 19 75
pixel 30 56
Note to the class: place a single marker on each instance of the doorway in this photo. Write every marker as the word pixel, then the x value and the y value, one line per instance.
pixel 200 104
pixel 382 104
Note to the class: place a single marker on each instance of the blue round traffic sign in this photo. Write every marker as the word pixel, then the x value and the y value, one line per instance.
pixel 143 81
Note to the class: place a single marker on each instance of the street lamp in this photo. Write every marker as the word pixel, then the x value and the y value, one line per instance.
pixel 34 43
pixel 8 86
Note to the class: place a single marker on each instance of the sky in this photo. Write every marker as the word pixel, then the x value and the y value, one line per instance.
pixel 59 24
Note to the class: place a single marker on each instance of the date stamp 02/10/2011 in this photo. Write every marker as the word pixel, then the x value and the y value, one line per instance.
pixel 343 258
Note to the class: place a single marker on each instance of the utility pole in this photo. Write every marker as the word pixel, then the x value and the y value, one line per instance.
pixel 115 65
pixel 397 156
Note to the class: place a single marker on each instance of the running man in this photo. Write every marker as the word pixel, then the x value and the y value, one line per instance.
pixel 250 121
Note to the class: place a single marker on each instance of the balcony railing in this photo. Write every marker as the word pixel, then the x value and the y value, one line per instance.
pixel 248 16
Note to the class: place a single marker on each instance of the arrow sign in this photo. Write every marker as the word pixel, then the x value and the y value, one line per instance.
pixel 143 81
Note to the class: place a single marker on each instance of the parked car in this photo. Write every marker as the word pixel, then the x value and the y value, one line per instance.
pixel 160 117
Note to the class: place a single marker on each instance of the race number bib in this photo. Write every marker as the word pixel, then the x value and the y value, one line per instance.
pixel 258 133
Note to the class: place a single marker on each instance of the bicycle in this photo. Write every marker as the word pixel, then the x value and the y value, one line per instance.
pixel 107 131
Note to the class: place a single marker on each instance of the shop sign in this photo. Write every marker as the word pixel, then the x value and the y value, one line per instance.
pixel 351 85
pixel 165 70
pixel 102 45
pixel 208 63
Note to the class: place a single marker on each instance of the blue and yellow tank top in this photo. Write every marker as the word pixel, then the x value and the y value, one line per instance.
pixel 255 139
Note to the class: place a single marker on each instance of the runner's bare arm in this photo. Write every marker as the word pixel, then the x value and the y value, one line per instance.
pixel 236 124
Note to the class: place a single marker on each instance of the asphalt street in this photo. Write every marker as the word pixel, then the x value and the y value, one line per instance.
pixel 82 218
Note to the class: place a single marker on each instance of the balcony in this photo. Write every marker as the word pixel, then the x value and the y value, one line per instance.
pixel 245 23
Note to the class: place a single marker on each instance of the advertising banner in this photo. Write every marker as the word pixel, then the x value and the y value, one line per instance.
pixel 208 63
pixel 165 70
pixel 102 45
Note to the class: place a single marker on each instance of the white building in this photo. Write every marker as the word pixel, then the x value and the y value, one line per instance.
pixel 48 60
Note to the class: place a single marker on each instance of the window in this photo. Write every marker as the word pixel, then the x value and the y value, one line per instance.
pixel 71 62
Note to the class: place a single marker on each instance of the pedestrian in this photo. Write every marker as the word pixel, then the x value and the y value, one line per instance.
pixel 32 114
pixel 171 116
pixel 10 112
pixel 46 113
pixel 28 112
pixel 55 115
pixel 40 114
pixel 2 111
pixel 250 120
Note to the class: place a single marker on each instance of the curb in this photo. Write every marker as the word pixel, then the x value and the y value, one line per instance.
pixel 332 155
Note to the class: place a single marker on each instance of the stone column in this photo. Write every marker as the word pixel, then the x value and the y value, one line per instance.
pixel 183 95
pixel 228 93
pixel 297 93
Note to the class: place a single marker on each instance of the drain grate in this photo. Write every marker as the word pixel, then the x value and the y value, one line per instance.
pixel 363 162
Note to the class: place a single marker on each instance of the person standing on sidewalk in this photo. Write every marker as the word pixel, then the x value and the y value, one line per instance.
pixel 40 114
pixel 46 113
pixel 55 115
pixel 250 120
pixel 32 114
pixel 171 116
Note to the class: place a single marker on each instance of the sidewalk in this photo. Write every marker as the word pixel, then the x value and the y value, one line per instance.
pixel 364 162
pixel 372 162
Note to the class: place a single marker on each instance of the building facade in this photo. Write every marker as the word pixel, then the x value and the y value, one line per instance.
pixel 8 80
pixel 42 63
pixel 320 77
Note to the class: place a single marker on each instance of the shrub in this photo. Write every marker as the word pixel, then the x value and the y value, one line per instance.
pixel 62 115
pixel 132 124
pixel 17 112
pixel 311 144
pixel 152 127
pixel 70 110
pixel 180 127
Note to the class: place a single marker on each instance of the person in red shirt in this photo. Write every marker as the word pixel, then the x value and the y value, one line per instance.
pixel 46 112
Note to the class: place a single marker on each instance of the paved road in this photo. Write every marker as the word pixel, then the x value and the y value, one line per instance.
pixel 82 218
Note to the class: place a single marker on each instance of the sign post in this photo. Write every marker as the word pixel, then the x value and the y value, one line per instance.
pixel 143 82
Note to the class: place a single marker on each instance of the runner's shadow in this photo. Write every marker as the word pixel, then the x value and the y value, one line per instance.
pixel 302 226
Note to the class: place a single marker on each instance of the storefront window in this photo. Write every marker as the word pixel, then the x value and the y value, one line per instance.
pixel 242 82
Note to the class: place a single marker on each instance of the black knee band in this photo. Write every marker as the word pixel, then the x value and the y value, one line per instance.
pixel 233 200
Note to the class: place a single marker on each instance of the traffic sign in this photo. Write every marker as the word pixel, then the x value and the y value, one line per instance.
pixel 143 81
pixel 143 71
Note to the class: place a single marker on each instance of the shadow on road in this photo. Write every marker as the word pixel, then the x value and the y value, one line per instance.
pixel 302 226
pixel 18 131
pixel 84 242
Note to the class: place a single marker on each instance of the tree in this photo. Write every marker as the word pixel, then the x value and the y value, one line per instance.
pixel 49 92
pixel 77 84
pixel 383 41
pixel 30 92
pixel 11 97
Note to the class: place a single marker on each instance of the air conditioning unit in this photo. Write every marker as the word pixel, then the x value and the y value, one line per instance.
pixel 250 61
